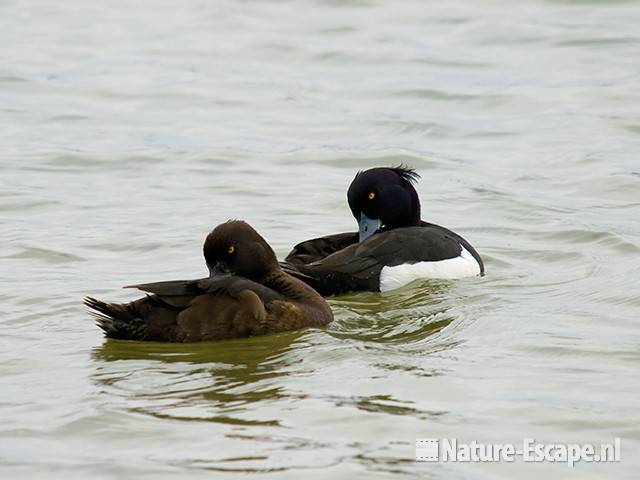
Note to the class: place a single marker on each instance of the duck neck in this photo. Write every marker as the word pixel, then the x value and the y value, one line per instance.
pixel 288 286
pixel 410 218
pixel 409 214
pixel 413 218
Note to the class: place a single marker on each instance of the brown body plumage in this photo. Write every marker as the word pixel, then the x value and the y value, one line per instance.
pixel 246 294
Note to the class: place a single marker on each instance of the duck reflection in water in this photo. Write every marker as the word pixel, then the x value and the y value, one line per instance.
pixel 206 381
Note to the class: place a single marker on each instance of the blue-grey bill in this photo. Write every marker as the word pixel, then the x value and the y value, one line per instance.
pixel 367 226
pixel 217 270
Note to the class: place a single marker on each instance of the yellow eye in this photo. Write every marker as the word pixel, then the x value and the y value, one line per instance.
pixel 231 249
pixel 372 195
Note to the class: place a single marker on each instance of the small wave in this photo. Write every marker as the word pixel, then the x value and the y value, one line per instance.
pixel 46 255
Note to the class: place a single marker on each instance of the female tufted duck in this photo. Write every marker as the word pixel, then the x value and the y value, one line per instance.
pixel 246 294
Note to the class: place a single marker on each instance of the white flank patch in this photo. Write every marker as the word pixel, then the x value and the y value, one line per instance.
pixel 463 266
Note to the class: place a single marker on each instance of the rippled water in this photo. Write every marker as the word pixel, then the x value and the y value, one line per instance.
pixel 128 130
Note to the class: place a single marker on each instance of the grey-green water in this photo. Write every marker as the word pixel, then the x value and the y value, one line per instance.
pixel 129 129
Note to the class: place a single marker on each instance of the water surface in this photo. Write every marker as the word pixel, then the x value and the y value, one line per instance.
pixel 129 130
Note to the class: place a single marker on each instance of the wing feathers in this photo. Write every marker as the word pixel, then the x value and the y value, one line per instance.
pixel 222 284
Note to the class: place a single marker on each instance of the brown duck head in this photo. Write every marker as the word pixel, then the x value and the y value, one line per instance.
pixel 235 248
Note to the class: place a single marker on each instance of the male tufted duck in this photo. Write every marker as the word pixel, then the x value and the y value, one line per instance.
pixel 392 247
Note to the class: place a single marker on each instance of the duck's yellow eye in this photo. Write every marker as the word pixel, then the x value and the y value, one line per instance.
pixel 372 195
pixel 231 249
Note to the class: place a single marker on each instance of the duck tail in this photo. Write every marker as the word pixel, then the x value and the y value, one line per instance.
pixel 117 320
